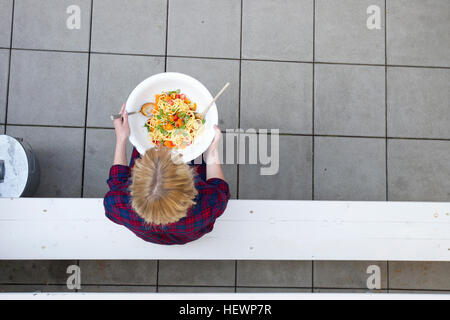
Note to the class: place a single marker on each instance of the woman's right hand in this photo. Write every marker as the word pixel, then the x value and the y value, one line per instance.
pixel 212 154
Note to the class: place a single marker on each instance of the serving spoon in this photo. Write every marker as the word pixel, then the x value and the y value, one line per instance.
pixel 202 115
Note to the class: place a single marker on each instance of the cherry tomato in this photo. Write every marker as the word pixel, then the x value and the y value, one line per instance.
pixel 182 96
pixel 169 144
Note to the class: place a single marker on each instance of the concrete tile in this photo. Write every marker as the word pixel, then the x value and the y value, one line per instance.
pixel 99 155
pixel 349 169
pixel 5 22
pixel 418 292
pixel 2 129
pixel 342 34
pixel 418 32
pixel 48 88
pixel 349 100
pixel 111 80
pixel 419 275
pixel 91 288
pixel 274 273
pixel 271 290
pixel 33 288
pixel 45 25
pixel 418 170
pixel 137 26
pixel 347 274
pixel 293 180
pixel 118 272
pixel 328 290
pixel 40 272
pixel 277 30
pixel 59 152
pixel 196 272
pixel 4 66
pixel 230 173
pixel 418 103
pixel 203 28
pixel 214 74
pixel 230 169
pixel 173 289
pixel 277 95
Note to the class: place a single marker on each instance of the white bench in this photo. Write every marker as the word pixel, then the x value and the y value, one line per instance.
pixel 40 228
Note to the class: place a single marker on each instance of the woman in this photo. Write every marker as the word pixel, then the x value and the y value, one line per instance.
pixel 160 198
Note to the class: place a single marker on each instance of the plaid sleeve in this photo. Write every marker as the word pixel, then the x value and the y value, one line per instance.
pixel 220 201
pixel 118 196
pixel 118 177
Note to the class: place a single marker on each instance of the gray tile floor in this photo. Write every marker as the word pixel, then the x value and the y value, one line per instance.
pixel 370 118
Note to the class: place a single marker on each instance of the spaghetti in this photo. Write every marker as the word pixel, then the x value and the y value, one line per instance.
pixel 172 120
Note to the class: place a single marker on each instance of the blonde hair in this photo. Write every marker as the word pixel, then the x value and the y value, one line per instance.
pixel 162 188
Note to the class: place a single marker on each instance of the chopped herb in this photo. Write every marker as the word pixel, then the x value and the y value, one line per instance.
pixel 175 91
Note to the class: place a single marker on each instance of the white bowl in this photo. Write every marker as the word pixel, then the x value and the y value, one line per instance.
pixel 168 81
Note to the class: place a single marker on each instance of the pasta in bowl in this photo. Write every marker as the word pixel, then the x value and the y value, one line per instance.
pixel 173 120
pixel 169 104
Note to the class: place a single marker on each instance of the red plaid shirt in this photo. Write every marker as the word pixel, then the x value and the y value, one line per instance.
pixel 211 202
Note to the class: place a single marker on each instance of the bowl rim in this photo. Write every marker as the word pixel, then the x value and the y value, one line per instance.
pixel 143 85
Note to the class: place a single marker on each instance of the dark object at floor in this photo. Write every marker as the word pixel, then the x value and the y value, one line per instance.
pixel 19 168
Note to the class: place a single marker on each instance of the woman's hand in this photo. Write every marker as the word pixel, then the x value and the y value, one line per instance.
pixel 212 158
pixel 212 154
pixel 122 127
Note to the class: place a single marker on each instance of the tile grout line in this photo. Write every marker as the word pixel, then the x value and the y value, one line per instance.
pixel 313 123
pixel 239 93
pixel 427 291
pixel 167 36
pixel 312 100
pixel 281 134
pixel 239 124
pixel 235 275
pixel 9 66
pixel 235 59
pixel 157 275
pixel 217 286
pixel 385 98
pixel 387 276
pixel 87 100
pixel 386 119
pixel 165 70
